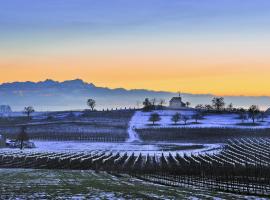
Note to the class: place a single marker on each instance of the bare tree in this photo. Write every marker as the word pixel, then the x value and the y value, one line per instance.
pixel 188 103
pixel 28 111
pixel 147 105
pixel 176 118
pixel 91 103
pixel 199 107
pixel 162 102
pixel 153 102
pixel 218 103
pixel 230 107
pixel 185 119
pixel 197 116
pixel 253 111
pixel 208 107
pixel 154 117
pixel 242 114
pixel 22 136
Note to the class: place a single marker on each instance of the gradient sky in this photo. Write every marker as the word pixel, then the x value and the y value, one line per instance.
pixel 197 46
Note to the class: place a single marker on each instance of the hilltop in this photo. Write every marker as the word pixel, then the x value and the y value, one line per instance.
pixel 72 94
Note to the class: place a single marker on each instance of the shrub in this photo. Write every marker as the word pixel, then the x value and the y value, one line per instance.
pixel 154 117
pixel 176 118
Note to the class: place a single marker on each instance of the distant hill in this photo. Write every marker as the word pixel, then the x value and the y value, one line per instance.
pixel 72 94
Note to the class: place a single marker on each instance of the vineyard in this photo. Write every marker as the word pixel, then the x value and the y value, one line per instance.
pixel 99 126
pixel 199 134
pixel 242 166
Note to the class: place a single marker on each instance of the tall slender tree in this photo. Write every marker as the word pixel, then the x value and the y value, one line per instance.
pixel 91 103
pixel 22 136
pixel 28 111
pixel 253 111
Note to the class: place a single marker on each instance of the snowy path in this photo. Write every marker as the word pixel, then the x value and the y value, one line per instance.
pixel 133 136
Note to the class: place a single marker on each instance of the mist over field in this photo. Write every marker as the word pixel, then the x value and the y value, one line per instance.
pixel 72 94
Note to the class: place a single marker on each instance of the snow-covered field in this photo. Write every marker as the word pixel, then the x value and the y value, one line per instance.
pixel 140 120
pixel 125 147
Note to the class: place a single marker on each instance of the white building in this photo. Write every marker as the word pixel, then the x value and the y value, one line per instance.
pixel 177 103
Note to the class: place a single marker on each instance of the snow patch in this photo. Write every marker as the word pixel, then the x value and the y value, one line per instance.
pixel 155 148
pixel 133 136
pixel 140 120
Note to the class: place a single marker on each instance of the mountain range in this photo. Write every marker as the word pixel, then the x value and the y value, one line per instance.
pixel 72 95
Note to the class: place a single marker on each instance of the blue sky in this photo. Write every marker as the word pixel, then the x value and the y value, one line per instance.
pixel 84 38
pixel 121 16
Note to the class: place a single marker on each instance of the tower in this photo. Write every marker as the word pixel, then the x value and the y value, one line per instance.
pixel 179 95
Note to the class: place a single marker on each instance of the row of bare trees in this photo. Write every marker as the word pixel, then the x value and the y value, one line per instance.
pixel 152 104
pixel 177 117
pixel 29 110
pixel 218 105
pixel 253 113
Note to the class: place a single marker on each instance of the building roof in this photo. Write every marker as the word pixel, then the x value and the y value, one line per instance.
pixel 176 99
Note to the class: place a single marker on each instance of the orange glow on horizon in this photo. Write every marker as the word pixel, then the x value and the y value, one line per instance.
pixel 162 73
pixel 198 47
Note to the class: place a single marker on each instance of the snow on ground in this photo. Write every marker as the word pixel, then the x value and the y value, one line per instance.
pixel 133 136
pixel 140 120
pixel 137 148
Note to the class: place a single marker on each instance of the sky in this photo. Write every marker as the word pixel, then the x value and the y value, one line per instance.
pixel 196 46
